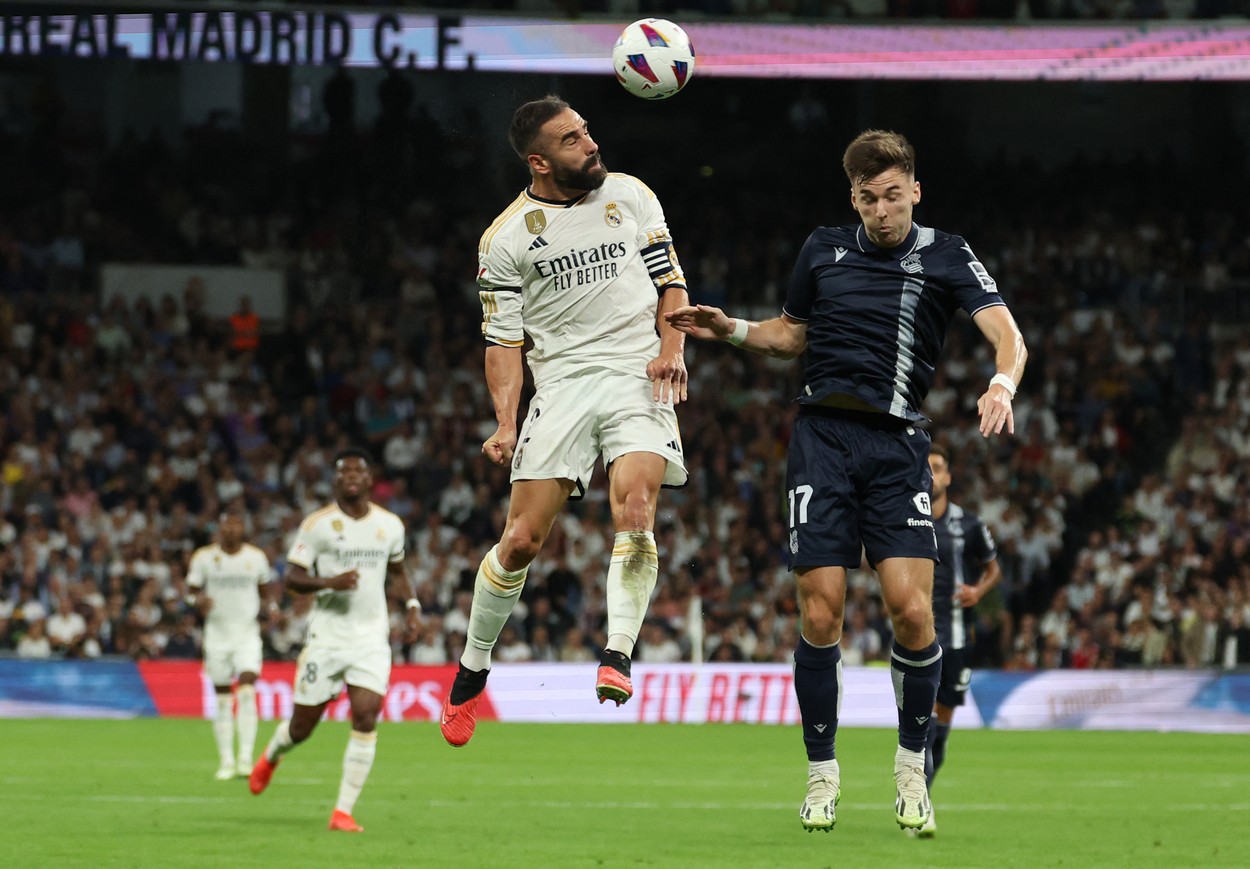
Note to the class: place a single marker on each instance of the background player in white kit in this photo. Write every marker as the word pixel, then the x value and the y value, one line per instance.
pixel 225 580
pixel 344 553
pixel 582 262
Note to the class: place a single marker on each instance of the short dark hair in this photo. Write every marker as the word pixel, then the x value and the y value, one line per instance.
pixel 941 452
pixel 354 453
pixel 529 119
pixel 874 151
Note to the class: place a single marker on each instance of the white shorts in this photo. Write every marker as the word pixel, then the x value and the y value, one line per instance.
pixel 321 673
pixel 573 421
pixel 224 661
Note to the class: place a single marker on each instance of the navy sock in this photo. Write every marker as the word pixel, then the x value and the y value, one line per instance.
pixel 930 769
pixel 916 675
pixel 938 750
pixel 817 681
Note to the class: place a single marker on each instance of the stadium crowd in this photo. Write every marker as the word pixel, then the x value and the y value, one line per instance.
pixel 1121 508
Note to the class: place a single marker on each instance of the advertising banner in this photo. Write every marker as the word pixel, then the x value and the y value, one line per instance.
pixel 1159 700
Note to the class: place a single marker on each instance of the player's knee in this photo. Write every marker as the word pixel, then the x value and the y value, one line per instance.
pixel 519 546
pixel 822 625
pixel 913 620
pixel 300 729
pixel 636 512
pixel 365 720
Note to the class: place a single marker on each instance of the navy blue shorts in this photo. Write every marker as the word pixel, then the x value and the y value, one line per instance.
pixel 956 677
pixel 855 482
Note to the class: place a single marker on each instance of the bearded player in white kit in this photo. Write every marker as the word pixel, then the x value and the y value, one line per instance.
pixel 582 262
pixel 225 580
pixel 344 554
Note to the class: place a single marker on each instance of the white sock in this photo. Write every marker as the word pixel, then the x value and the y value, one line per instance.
pixel 281 742
pixel 245 697
pixel 357 761
pixel 223 729
pixel 632 574
pixel 911 758
pixel 495 593
pixel 827 767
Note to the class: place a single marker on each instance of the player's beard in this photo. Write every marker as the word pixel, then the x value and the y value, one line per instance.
pixel 589 177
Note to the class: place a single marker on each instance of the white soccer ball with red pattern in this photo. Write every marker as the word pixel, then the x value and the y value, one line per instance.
pixel 653 59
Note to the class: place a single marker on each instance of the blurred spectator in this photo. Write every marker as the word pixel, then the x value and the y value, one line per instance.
pixel 34 643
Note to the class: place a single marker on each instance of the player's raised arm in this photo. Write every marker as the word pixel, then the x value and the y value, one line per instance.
pixel 781 337
pixel 667 372
pixel 1010 355
pixel 504 376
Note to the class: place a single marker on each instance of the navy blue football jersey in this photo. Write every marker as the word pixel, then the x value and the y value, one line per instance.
pixel 877 318
pixel 965 546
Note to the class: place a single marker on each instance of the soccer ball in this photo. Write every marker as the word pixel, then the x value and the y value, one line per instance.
pixel 653 59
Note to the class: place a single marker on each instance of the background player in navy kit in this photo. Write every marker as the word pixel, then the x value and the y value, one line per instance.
pixel 966 570
pixel 870 304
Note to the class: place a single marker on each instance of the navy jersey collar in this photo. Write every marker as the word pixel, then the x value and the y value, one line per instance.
pixel 898 251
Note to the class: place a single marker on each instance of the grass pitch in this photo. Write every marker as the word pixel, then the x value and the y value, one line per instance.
pixel 141 793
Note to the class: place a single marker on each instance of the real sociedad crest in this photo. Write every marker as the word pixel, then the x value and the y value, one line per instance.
pixel 612 215
pixel 911 264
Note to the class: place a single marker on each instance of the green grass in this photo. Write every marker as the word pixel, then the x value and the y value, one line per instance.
pixel 141 793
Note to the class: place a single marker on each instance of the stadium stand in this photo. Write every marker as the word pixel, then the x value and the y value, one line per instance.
pixel 1121 508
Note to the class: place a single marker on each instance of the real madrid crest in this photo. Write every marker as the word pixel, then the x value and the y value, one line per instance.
pixel 612 215
pixel 535 221
pixel 911 264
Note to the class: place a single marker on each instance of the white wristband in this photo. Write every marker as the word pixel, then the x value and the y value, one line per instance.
pixel 739 333
pixel 413 604
pixel 1005 382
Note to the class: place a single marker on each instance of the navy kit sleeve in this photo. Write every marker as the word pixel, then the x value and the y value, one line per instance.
pixel 970 283
pixel 802 291
pixel 980 541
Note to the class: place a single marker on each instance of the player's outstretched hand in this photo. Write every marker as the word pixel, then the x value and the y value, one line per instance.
pixel 344 581
pixel 668 378
pixel 499 446
pixel 705 322
pixel 995 408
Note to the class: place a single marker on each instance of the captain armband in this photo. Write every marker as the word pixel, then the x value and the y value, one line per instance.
pixel 662 265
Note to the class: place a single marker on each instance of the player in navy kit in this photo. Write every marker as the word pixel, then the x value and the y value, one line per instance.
pixel 870 304
pixel 966 570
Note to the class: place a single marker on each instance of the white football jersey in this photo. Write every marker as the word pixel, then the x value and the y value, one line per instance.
pixel 580 279
pixel 330 542
pixel 233 582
